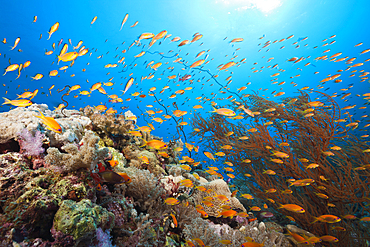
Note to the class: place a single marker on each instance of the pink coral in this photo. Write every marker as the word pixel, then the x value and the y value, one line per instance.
pixel 31 145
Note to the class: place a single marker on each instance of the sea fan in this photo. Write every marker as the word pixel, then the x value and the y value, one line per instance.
pixel 29 144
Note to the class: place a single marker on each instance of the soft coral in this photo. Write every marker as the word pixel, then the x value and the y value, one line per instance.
pixel 29 144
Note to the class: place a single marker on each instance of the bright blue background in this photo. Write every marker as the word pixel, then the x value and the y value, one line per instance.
pixel 315 19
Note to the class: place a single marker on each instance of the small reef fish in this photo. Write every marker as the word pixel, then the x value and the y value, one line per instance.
pixel 53 29
pixel 50 123
pixel 224 112
pixel 293 208
pixel 114 178
pixel 171 201
pixel 327 219
pixel 155 144
pixel 17 102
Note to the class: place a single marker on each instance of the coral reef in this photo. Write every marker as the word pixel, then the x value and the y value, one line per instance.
pixel 218 187
pixel 59 197
pixel 29 144
pixel 14 121
pixel 144 188
pixel 82 219
pixel 86 156
pixel 212 234
pixel 111 128
pixel 282 139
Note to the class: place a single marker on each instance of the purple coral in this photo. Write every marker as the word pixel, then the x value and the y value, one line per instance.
pixel 103 238
pixel 29 144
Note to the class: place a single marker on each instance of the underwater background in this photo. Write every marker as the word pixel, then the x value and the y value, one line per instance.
pixel 166 122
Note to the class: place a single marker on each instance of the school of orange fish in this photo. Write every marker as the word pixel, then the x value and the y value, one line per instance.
pixel 188 80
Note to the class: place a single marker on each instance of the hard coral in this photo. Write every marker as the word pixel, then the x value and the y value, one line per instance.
pixel 88 156
pixel 219 187
pixel 14 121
pixel 82 219
pixel 25 198
pixel 199 228
pixel 110 127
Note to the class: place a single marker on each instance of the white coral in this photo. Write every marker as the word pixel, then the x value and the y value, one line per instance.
pixel 13 121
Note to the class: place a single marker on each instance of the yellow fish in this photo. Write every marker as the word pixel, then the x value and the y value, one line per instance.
pixel 70 56
pixel 11 67
pixel 53 29
pixel 50 123
pixel 18 102
pixel 155 144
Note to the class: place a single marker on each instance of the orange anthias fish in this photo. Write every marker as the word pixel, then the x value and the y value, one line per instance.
pixel 250 243
pixel 18 102
pixel 155 144
pixel 209 155
pixel 171 201
pixel 227 213
pixel 53 29
pixel 327 218
pixel 328 238
pixel 225 112
pixel 67 57
pixel 128 84
pixel 50 123
pixel 297 237
pixel 293 208
pixel 222 198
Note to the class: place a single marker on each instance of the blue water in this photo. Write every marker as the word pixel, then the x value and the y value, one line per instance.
pixel 215 20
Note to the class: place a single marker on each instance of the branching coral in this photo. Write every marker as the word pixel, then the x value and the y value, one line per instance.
pixel 87 156
pixel 303 139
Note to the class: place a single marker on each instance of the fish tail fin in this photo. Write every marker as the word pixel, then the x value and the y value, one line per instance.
pixel 42 115
pixel 214 109
pixel 7 101
pixel 145 143
pixel 314 220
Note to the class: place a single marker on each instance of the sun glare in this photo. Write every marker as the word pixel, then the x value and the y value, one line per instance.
pixel 264 6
